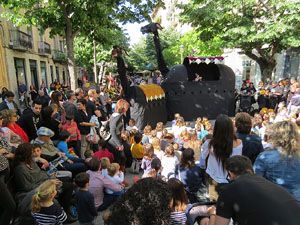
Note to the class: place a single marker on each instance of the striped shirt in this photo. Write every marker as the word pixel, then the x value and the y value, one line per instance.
pixel 52 215
pixel 178 218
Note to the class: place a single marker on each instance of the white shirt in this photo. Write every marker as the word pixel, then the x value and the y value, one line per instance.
pixel 177 130
pixel 129 128
pixel 168 165
pixel 118 178
pixel 214 168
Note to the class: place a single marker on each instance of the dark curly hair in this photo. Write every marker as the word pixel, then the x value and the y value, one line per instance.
pixel 23 154
pixel 147 202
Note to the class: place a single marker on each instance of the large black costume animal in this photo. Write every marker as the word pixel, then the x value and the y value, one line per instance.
pixel 147 102
pixel 212 96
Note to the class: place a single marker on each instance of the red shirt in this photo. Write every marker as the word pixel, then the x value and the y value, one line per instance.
pixel 104 153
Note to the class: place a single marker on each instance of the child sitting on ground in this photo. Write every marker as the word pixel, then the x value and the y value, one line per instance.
pixel 147 131
pixel 159 128
pixel 131 125
pixel 179 126
pixel 177 151
pixel 88 156
pixel 103 151
pixel 169 162
pixel 75 137
pixel 104 165
pixel 148 157
pixel 115 175
pixel 131 135
pixel 176 116
pixel 153 135
pixel 86 209
pixel 64 137
pixel 157 148
pixel 43 208
pixel 198 124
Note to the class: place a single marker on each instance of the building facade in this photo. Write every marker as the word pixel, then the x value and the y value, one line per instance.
pixel 29 57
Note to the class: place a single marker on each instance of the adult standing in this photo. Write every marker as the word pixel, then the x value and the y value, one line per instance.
pixel 252 145
pixel 56 98
pixel 68 105
pixel 79 94
pixel 50 122
pixel 13 133
pixel 275 95
pixel 8 205
pixel 105 100
pixel 44 99
pixel 116 124
pixel 281 164
pixel 223 145
pixel 33 92
pixel 31 120
pixel 9 103
pixel 82 118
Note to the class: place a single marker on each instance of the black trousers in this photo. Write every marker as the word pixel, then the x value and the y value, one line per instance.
pixel 7 205
pixel 119 156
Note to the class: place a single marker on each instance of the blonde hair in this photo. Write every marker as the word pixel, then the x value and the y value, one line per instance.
pixel 147 130
pixel 91 92
pixel 43 193
pixel 7 115
pixel 148 151
pixel 153 133
pixel 194 142
pixel 156 144
pixel 125 135
pixel 169 150
pixel 184 135
pixel 112 169
pixel 104 162
pixel 176 115
pixel 176 147
pixel 285 135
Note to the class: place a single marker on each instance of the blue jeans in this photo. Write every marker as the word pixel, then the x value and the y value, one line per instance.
pixel 76 167
pixel 107 201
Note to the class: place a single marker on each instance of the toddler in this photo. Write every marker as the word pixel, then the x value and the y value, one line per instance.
pixel 86 209
pixel 104 165
pixel 115 175
pixel 169 162
pixel 43 208
pixel 127 146
pixel 179 126
pixel 88 155
pixel 137 152
pixel 64 137
pixel 177 151
pixel 176 116
pixel 159 128
pixel 153 135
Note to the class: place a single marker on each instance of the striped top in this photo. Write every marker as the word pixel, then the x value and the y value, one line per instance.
pixel 178 218
pixel 52 215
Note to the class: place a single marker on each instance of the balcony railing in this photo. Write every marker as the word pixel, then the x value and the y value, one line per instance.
pixel 20 40
pixel 44 48
pixel 59 56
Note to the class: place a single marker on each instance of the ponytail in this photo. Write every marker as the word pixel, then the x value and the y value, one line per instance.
pixel 43 193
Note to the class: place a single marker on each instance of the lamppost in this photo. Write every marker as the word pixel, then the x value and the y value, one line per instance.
pixel 181 52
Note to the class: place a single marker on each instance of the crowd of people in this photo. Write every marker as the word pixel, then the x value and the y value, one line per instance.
pixel 57 167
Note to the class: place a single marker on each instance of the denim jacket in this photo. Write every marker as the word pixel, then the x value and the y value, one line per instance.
pixel 280 170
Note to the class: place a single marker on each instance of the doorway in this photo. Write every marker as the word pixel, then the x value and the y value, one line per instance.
pixel 34 74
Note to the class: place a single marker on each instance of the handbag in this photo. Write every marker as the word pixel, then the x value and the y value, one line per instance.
pixel 93 137
pixel 104 131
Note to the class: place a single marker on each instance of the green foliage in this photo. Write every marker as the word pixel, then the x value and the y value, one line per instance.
pixel 267 26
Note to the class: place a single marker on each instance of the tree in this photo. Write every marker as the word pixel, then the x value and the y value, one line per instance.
pixel 261 28
pixel 69 18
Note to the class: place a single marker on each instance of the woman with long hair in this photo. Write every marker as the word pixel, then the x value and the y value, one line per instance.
pixel 33 92
pixel 49 121
pixel 13 133
pixel 56 98
pixel 223 145
pixel 281 164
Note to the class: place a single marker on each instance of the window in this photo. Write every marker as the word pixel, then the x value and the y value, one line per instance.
pixel 44 73
pixel 51 73
pixel 20 71
pixel 57 74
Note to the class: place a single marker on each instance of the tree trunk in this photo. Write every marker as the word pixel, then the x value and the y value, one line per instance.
pixel 71 60
pixel 266 70
pixel 95 63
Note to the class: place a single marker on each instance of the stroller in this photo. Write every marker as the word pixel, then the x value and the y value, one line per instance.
pixel 245 104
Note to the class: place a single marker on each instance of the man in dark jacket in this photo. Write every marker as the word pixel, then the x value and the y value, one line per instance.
pixel 68 105
pixel 30 121
pixel 9 103
pixel 252 145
